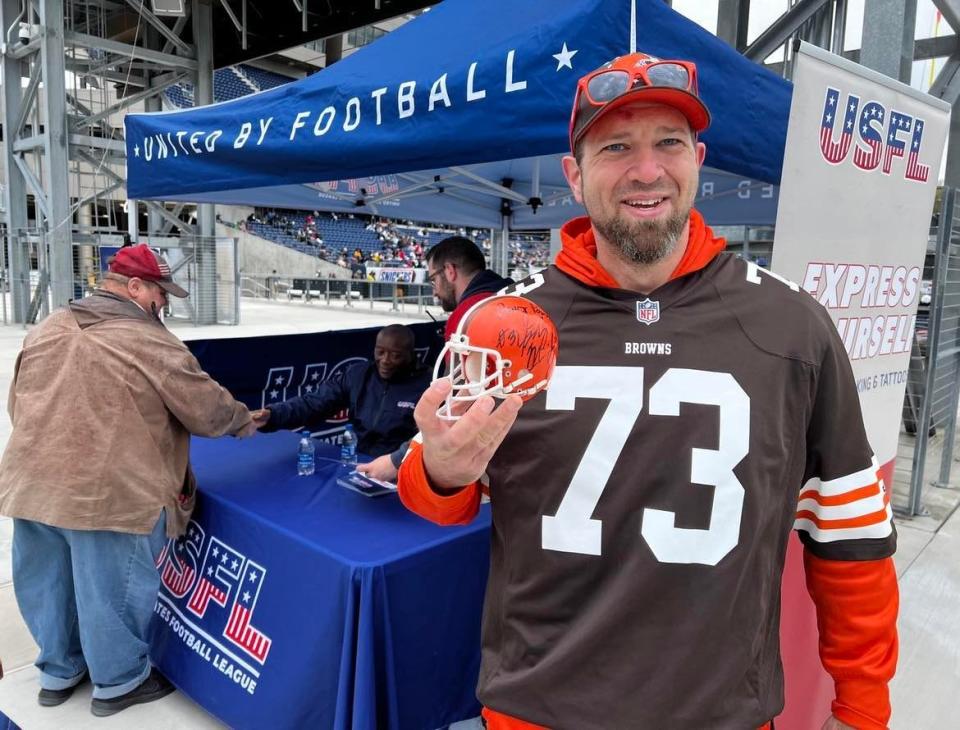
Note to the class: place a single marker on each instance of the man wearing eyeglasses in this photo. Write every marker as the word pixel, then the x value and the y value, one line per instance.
pixel 701 408
pixel 458 273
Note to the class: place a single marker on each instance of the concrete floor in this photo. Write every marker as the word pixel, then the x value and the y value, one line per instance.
pixel 924 692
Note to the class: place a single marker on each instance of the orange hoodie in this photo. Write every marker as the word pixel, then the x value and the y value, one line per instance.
pixel 856 601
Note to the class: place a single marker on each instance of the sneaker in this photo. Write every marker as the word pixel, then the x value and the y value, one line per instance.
pixel 54 697
pixel 152 688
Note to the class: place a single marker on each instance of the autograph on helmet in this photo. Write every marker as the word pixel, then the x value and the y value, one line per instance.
pixel 535 343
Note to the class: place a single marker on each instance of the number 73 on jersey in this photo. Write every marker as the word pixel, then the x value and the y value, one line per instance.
pixel 573 529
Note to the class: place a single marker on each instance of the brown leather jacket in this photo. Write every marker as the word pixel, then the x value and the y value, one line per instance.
pixel 103 401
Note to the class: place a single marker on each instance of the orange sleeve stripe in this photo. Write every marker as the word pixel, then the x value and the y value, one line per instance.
pixel 873 518
pixel 846 498
pixel 413 486
pixel 498 721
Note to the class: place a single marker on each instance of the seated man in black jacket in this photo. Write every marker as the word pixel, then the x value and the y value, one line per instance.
pixel 381 396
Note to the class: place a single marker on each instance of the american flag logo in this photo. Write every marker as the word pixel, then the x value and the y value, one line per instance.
pixel 313 377
pixel 275 390
pixel 648 311
pixel 895 146
pixel 178 569
pixel 239 631
pixel 867 158
pixel 916 171
pixel 221 569
pixel 835 152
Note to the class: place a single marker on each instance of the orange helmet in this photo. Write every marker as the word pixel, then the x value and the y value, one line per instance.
pixel 504 345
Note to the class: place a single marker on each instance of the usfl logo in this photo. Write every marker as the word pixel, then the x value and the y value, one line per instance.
pixel 880 134
pixel 204 579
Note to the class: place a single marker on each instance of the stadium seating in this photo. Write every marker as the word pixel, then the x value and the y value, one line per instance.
pixel 229 83
pixel 263 80
pixel 348 233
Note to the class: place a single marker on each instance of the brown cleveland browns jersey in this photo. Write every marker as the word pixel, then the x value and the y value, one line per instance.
pixel 642 503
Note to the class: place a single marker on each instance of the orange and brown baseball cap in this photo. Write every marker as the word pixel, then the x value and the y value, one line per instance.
pixel 637 77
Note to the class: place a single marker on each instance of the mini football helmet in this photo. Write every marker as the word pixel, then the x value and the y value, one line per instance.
pixel 503 345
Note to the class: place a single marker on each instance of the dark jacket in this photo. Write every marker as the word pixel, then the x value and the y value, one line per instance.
pixel 381 412
pixel 484 284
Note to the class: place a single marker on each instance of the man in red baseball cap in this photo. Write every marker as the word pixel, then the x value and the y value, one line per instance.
pixel 96 475
pixel 642 503
pixel 135 266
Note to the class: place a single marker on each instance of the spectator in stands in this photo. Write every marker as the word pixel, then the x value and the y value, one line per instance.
pixel 96 476
pixel 460 277
pixel 380 395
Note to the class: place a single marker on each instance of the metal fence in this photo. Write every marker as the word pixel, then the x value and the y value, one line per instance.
pixel 405 297
pixel 207 267
pixel 933 384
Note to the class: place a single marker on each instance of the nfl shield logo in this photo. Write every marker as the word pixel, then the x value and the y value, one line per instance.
pixel 648 311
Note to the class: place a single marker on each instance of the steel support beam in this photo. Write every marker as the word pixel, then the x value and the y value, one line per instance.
pixel 951 175
pixel 34 186
pixel 29 97
pixel 947 84
pixel 923 50
pixel 782 28
pixel 205 293
pixel 159 26
pixel 888 30
pixel 55 162
pixel 733 17
pixel 114 145
pixel 130 100
pixel 133 52
pixel 839 26
pixel 163 212
pixel 87 199
pixel 15 190
pixel 155 104
pixel 28 144
pixel 178 30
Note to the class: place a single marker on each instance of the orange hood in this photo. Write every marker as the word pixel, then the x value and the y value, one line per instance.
pixel 578 257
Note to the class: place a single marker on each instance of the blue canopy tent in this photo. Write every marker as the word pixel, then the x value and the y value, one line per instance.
pixel 454 196
pixel 426 115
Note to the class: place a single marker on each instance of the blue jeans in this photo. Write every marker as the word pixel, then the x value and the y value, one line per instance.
pixel 87 597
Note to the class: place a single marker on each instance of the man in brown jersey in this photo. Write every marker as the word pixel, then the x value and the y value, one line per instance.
pixel 700 409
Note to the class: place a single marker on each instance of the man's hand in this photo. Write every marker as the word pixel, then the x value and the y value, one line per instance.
pixel 381 468
pixel 833 723
pixel 260 417
pixel 456 453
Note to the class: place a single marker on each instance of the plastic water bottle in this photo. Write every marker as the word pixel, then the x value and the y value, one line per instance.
pixel 305 454
pixel 348 447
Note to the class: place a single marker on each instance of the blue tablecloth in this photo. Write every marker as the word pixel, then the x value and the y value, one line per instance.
pixel 293 602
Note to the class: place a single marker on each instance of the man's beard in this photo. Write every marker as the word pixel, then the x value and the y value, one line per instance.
pixel 642 241
pixel 448 302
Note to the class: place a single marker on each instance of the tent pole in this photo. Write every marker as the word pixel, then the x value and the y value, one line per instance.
pixel 504 258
